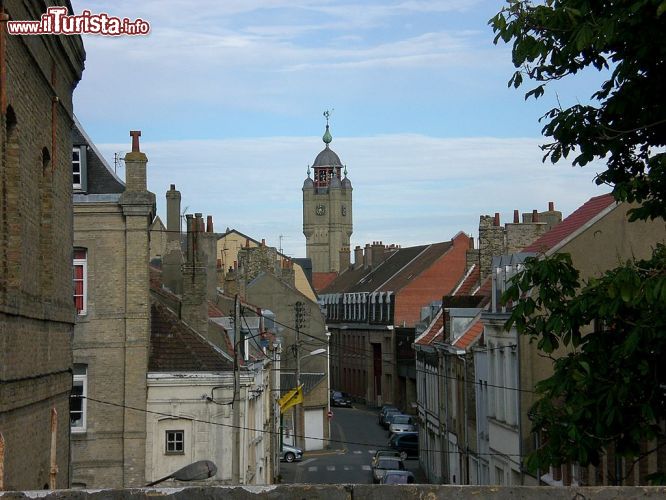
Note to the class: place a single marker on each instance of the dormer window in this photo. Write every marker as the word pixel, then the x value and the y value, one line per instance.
pixel 79 168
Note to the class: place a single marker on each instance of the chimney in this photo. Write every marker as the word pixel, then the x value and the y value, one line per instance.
pixel 551 206
pixel 378 252
pixel 194 308
pixel 173 253
pixel 209 224
pixel 173 213
pixel 209 252
pixel 516 217
pixel 535 216
pixel 135 166
pixel 496 220
pixel 367 256
pixel 358 257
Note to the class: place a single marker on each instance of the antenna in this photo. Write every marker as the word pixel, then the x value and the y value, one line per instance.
pixel 117 161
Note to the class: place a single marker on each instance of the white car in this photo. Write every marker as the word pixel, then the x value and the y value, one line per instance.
pixel 401 423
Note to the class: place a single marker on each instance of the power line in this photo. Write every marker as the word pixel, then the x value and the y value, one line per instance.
pixel 265 431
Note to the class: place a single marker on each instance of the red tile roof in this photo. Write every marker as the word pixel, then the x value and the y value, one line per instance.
pixel 469 281
pixel 473 332
pixel 585 213
pixel 322 280
pixel 434 331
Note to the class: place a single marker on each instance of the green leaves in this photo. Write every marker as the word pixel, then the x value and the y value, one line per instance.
pixel 606 386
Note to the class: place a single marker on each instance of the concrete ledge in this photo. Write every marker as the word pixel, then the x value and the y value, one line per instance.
pixel 348 492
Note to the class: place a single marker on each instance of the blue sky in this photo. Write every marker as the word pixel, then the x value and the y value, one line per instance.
pixel 229 96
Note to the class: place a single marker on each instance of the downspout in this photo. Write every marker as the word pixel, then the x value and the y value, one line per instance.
pixel 446 424
pixel 438 399
pixel 3 64
pixel 520 418
pixel 465 421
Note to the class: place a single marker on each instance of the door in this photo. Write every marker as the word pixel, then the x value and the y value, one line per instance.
pixel 314 429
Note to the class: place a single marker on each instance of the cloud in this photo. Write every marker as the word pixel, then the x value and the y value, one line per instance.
pixel 408 188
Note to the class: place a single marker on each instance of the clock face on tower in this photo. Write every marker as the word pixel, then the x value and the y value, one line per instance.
pixel 321 209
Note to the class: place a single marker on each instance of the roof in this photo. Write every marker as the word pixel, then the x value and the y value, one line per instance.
pixel 399 268
pixel 174 346
pixel 469 281
pixel 434 330
pixel 308 380
pixel 327 158
pixel 322 280
pixel 469 336
pixel 585 213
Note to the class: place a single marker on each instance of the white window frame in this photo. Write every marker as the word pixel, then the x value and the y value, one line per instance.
pixel 76 185
pixel 83 379
pixel 174 441
pixel 84 264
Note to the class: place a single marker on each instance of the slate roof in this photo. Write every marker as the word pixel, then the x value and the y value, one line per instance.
pixel 399 268
pixel 174 346
pixel 581 216
pixel 309 381
pixel 327 158
pixel 434 332
pixel 101 179
pixel 472 334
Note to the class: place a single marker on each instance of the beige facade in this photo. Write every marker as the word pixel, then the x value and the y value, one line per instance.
pixel 36 313
pixel 112 332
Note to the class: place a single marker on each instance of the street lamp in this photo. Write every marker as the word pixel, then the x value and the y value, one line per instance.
pixel 203 469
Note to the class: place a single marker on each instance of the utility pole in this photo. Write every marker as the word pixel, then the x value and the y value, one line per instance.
pixel 298 324
pixel 235 467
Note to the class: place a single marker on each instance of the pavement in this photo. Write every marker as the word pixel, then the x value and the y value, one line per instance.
pixel 355 436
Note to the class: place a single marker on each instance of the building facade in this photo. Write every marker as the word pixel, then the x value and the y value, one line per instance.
pixel 327 212
pixel 37 77
pixel 112 331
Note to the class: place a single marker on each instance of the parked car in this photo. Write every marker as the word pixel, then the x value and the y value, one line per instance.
pixel 291 453
pixel 388 418
pixel 401 423
pixel 384 453
pixel 382 413
pixel 406 443
pixel 397 477
pixel 340 399
pixel 384 464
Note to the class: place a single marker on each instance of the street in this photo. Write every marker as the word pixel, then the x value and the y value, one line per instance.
pixel 355 438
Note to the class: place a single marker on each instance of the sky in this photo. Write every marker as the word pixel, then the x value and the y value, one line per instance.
pixel 229 96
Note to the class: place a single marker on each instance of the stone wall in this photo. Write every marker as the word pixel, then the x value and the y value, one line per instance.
pixel 36 308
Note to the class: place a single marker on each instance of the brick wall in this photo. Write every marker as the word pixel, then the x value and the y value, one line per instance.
pixel 36 309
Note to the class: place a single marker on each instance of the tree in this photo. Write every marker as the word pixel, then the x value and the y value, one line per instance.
pixel 626 119
pixel 609 391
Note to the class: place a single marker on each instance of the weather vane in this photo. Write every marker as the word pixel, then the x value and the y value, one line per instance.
pixel 327 114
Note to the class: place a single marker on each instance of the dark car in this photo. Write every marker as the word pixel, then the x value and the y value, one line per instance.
pixel 388 418
pixel 383 411
pixel 384 464
pixel 406 443
pixel 384 453
pixel 340 399
pixel 397 477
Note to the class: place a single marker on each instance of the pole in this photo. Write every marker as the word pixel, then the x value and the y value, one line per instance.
pixel 54 436
pixel 235 466
pixel 297 420
pixel 328 382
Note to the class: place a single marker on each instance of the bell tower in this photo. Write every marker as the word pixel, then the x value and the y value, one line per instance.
pixel 327 210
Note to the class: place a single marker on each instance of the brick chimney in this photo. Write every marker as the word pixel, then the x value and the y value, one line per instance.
pixel 209 242
pixel 173 254
pixel 344 259
pixel 378 252
pixel 491 242
pixel 367 256
pixel 135 166
pixel 358 257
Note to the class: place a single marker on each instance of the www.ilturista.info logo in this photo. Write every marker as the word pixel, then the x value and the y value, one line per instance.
pixel 56 22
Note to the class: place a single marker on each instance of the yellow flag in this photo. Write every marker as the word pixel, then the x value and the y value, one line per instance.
pixel 292 398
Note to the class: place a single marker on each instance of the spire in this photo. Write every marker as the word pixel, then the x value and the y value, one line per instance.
pixel 345 171
pixel 308 170
pixel 327 135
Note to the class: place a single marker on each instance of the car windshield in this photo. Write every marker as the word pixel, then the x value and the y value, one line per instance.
pixel 401 419
pixel 387 463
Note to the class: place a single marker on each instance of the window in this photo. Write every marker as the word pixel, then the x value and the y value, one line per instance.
pixel 77 399
pixel 80 281
pixel 175 443
pixel 76 167
pixel 79 168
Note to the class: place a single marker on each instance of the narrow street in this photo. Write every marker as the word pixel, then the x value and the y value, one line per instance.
pixel 356 436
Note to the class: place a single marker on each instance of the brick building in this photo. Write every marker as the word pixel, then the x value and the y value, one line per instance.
pixel 372 309
pixel 37 78
pixel 112 332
